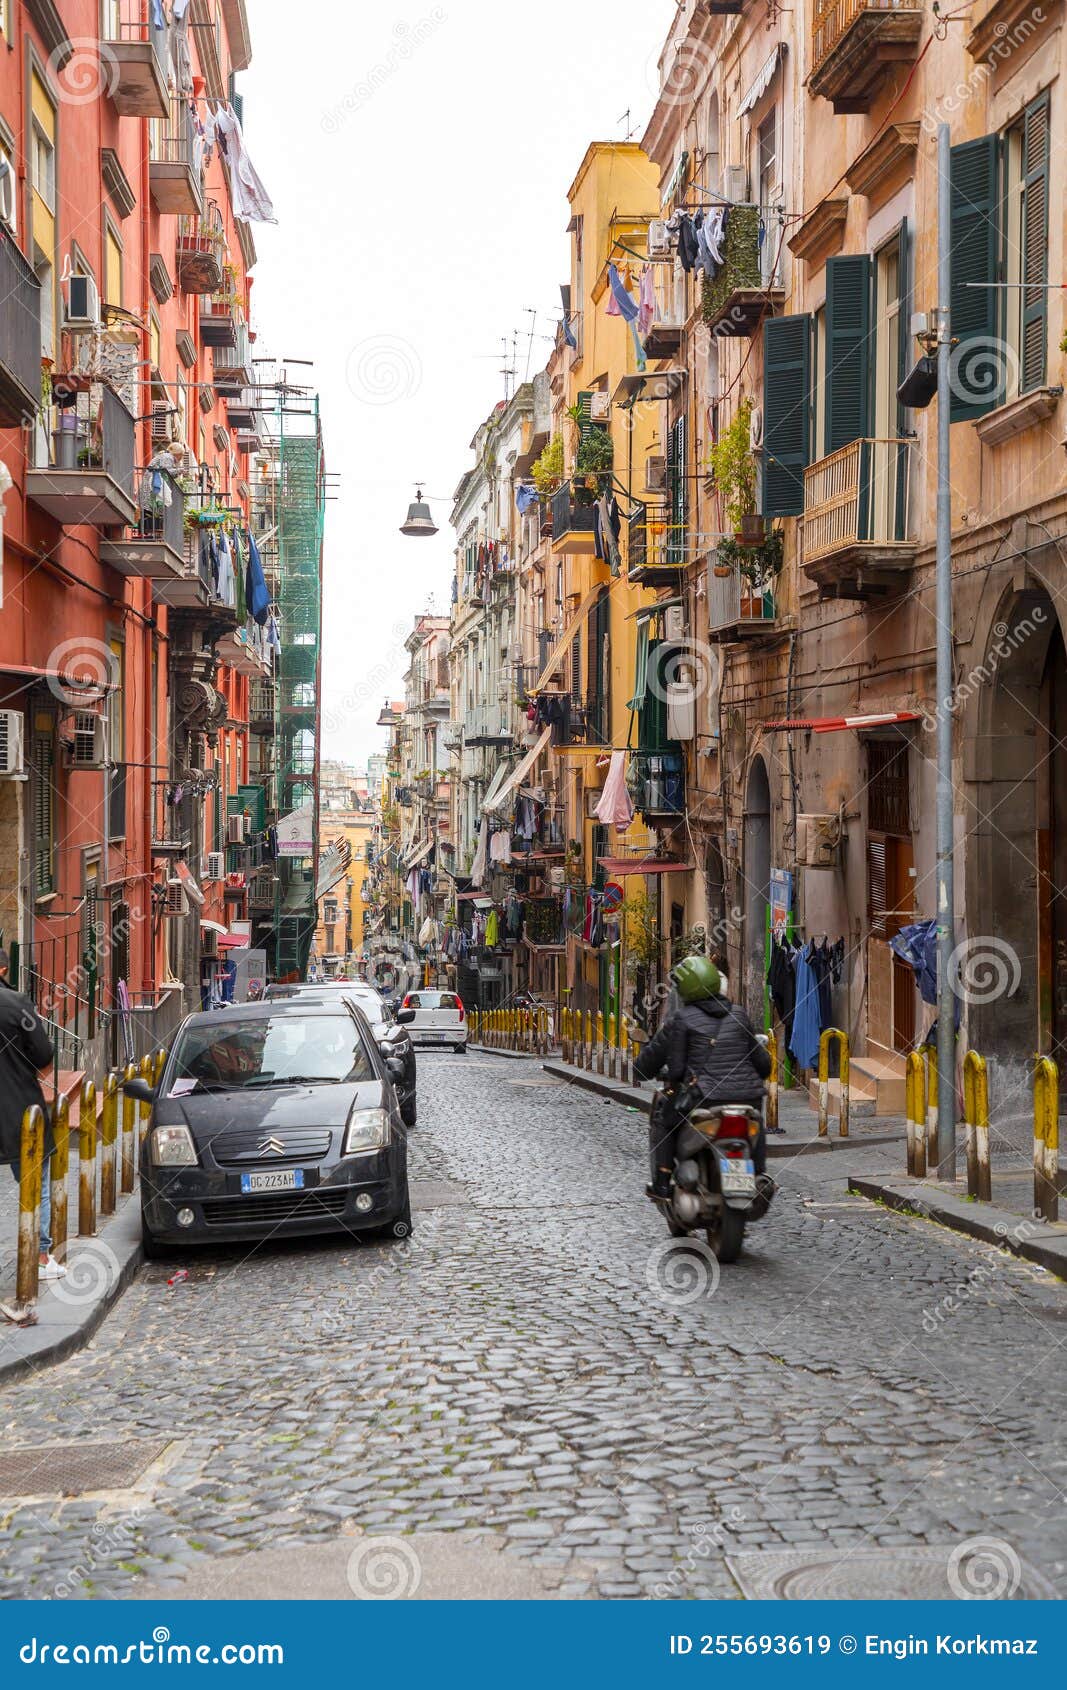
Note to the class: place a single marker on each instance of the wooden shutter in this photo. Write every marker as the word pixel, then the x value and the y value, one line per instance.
pixel 576 666
pixel 887 787
pixel 876 888
pixel 677 490
pixel 1035 163
pixel 786 413
pixel 975 230
pixel 848 350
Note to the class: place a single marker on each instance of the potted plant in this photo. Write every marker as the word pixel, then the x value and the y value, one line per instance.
pixel 734 468
pixel 595 457
pixel 547 470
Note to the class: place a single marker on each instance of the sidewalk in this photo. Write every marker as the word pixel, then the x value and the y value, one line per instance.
pixel 69 1310
pixel 800 1136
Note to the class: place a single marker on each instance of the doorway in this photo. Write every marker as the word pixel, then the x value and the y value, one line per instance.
pixel 757 884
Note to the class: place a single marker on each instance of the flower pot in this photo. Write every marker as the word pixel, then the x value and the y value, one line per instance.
pixel 723 571
pixel 751 531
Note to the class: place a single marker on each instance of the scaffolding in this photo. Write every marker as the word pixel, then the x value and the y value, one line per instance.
pixel 288 515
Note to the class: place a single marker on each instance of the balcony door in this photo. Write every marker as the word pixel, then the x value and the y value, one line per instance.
pixel 888 463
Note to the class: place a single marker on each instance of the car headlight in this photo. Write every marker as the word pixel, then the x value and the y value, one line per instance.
pixel 368 1129
pixel 173 1147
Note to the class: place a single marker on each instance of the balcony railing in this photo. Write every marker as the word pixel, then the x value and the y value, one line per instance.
pixel 219 320
pixel 89 476
pixel 855 42
pixel 659 783
pixel 737 607
pixel 543 924
pixel 135 54
pixel 20 335
pixel 232 365
pixel 740 296
pixel 176 162
pixel 486 724
pixel 153 546
pixel 856 516
pixel 573 518
pixel 657 546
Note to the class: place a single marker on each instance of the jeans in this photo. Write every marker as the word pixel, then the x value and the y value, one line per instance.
pixel 663 1125
pixel 46 1203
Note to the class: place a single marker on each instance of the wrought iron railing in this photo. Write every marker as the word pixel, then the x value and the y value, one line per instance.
pixel 20 335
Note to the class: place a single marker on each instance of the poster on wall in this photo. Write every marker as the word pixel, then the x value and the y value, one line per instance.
pixel 295 832
pixel 781 900
pixel 251 981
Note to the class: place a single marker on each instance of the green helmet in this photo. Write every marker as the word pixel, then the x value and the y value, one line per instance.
pixel 696 978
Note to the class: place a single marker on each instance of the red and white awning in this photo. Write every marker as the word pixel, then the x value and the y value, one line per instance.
pixel 834 724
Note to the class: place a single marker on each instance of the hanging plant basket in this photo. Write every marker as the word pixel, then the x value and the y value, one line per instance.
pixel 751 531
pixel 723 571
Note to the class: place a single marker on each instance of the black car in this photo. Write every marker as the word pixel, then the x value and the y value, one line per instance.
pixel 272 1121
pixel 393 1039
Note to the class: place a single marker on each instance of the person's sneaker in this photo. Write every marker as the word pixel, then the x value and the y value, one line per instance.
pixel 51 1269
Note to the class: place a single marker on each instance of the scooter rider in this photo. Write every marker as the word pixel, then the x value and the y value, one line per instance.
pixel 709 1046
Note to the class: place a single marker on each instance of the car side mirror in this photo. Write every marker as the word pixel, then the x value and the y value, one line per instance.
pixel 405 1016
pixel 140 1089
pixel 395 1069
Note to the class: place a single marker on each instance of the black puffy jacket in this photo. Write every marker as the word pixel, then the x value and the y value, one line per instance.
pixel 24 1049
pixel 713 1040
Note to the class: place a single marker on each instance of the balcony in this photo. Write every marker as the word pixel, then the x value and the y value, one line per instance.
pixel 136 55
pixel 741 295
pixel 856 528
pixel 853 45
pixel 20 336
pixel 659 785
pixel 487 724
pixel 739 609
pixel 241 410
pixel 152 548
pixel 657 547
pixel 218 319
pixel 175 163
pixel 573 519
pixel 663 339
pixel 232 366
pixel 194 589
pixel 543 925
pixel 198 260
pixel 89 477
pixel 261 701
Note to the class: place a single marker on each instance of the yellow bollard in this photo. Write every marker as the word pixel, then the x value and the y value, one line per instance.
pixel 60 1171
pixel 1046 1138
pixel 129 1120
pixel 87 1162
pixel 159 1062
pixel 831 1034
pixel 27 1272
pixel 976 1115
pixel 148 1075
pixel 915 1083
pixel 109 1132
pixel 612 1047
pixel 930 1056
pixel 588 1053
pixel 772 1083
pixel 600 1041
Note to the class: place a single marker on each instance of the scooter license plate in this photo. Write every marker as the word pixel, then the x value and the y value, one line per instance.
pixel 738 1178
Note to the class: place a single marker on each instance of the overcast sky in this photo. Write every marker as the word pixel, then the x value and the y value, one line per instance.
pixel 419 156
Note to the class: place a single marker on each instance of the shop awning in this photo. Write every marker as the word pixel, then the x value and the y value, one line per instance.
pixel 760 86
pixel 566 637
pixel 642 865
pixel 655 384
pixel 835 724
pixel 495 784
pixel 518 774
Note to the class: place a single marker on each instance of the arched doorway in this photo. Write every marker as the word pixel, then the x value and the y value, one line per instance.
pixel 1015 955
pixel 757 884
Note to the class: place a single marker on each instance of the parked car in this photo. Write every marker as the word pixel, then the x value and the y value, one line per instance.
pixel 434 1018
pixel 394 1040
pixel 274 1121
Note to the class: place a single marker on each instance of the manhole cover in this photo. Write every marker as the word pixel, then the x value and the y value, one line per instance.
pixel 73 1469
pixel 978 1567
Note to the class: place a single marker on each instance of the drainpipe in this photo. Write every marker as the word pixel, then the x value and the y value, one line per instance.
pixel 946 1004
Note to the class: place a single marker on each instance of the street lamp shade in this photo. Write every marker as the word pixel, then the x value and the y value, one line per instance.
pixel 419 521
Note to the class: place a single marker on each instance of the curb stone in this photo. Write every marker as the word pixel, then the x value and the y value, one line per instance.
pixel 981 1221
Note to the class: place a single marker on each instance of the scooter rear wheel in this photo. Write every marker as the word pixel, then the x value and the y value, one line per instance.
pixel 726 1235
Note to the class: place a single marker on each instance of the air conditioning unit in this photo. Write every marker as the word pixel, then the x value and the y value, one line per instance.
pixel 681 711
pixel 215 865
pixel 599 407
pixel 235 830
pixel 86 740
pixel 735 183
pixel 12 755
pixel 557 879
pixel 82 303
pixel 209 942
pixel 659 240
pixel 674 622
pixel 656 473
pixel 818 841
pixel 177 903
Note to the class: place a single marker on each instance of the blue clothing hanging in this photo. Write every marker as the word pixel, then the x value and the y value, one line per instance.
pixel 807 1020
pixel 256 589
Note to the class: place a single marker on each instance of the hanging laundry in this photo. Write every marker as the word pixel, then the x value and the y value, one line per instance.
pixel 492 929
pixel 500 846
pixel 607 531
pixel 481 855
pixel 648 308
pixel 525 497
pixel 807 1014
pixel 251 202
pixel 256 584
pixel 180 57
pixel 568 335
pixel 628 306
pixel 616 808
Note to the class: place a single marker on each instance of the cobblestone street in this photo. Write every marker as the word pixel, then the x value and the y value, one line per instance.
pixel 529 1366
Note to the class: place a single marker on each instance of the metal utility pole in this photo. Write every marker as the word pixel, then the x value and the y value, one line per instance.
pixel 946 1000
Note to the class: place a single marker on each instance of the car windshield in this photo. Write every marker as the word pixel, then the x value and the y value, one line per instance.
pixel 243 1052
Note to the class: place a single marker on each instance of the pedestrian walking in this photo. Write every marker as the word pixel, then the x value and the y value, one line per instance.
pixel 25 1054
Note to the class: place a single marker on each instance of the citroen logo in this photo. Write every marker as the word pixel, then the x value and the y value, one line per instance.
pixel 272 1147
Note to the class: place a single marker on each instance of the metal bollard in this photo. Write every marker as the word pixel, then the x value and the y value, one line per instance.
pixel 600 1041
pixel 87 1162
pixel 930 1058
pixel 148 1074
pixel 830 1034
pixel 915 1084
pixel 129 1121
pixel 60 1172
pixel 1046 1138
pixel 27 1273
pixel 976 1115
pixel 109 1133
pixel 772 1084
pixel 159 1062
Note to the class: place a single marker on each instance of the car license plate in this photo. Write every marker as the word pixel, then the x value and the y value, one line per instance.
pixel 290 1180
pixel 738 1178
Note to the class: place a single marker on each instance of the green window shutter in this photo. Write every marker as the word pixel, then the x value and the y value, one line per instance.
pixel 1035 245
pixel 974 318
pixel 786 413
pixel 44 814
pixel 677 490
pixel 640 667
pixel 848 349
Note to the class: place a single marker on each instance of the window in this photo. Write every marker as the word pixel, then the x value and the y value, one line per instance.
pixel 43 165
pixel 767 157
pixel 44 805
pixel 1000 229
